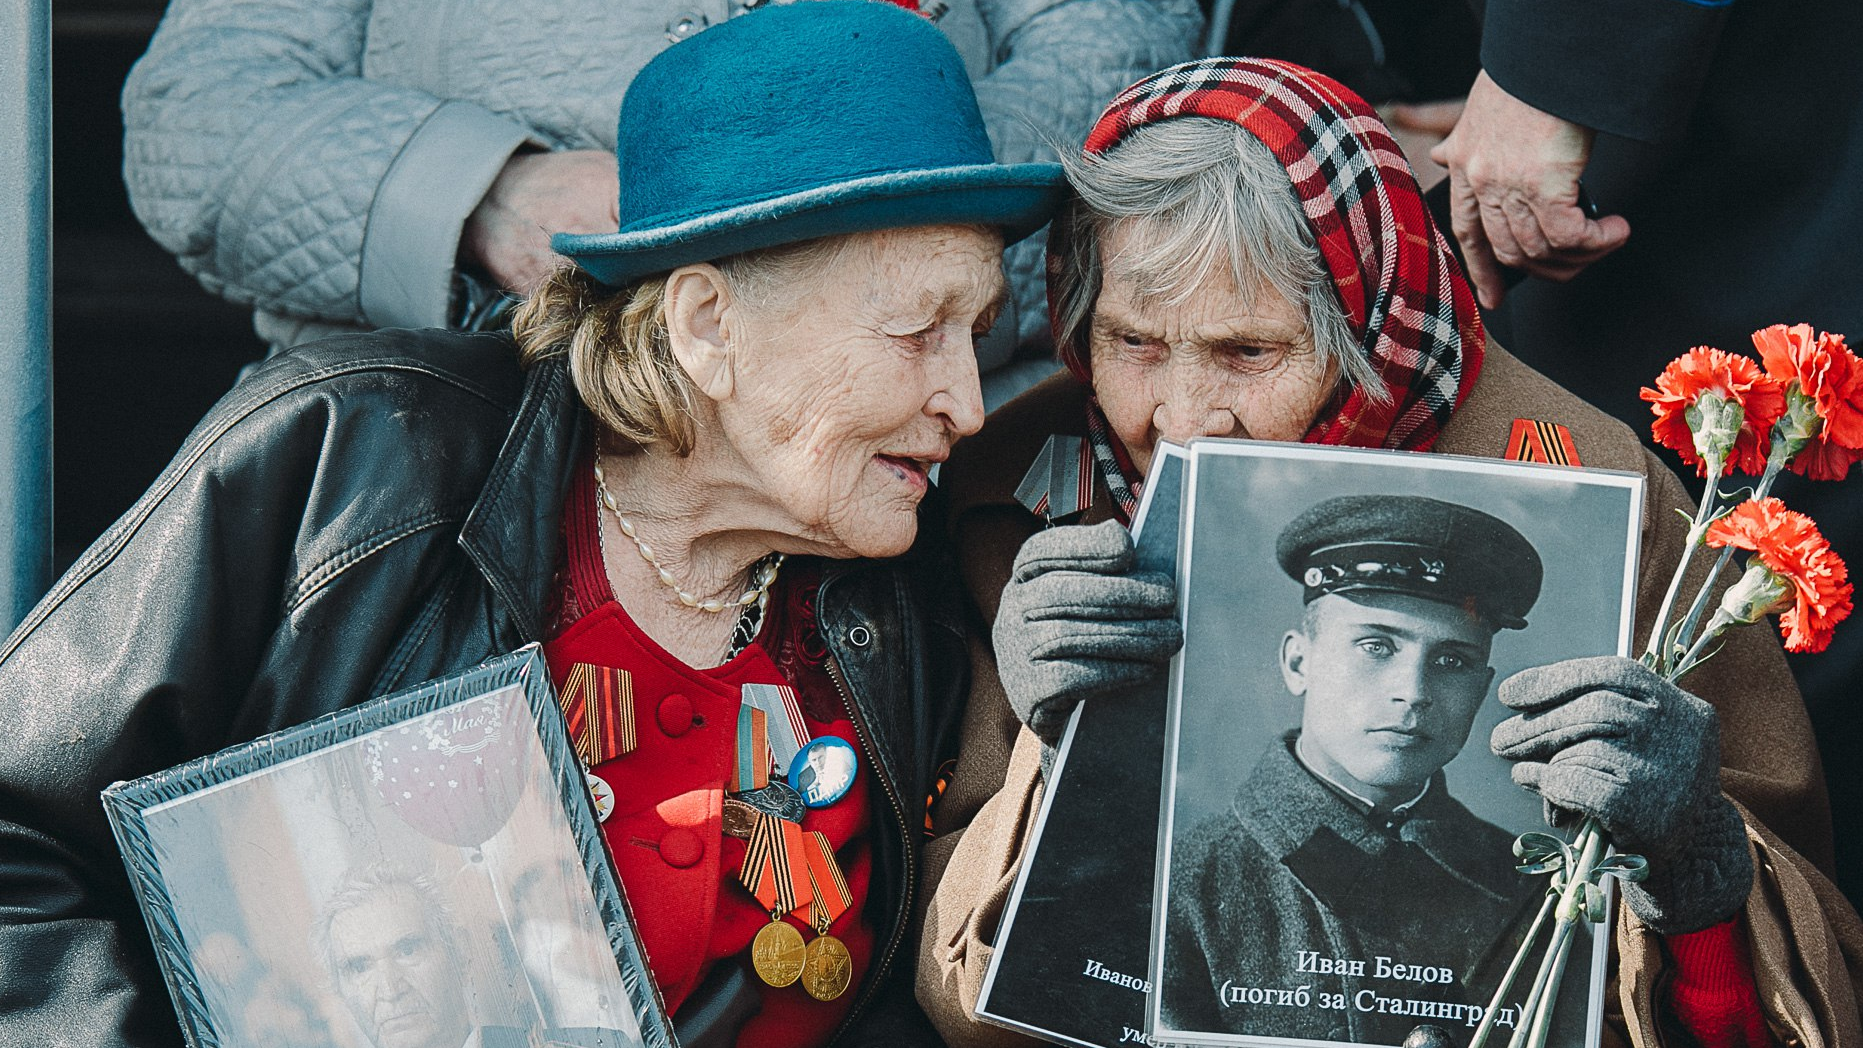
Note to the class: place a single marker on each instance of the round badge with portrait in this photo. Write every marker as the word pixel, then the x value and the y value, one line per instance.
pixel 824 771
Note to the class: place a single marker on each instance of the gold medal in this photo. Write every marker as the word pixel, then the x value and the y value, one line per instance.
pixel 778 955
pixel 826 968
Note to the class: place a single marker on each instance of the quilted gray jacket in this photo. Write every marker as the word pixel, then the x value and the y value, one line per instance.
pixel 317 159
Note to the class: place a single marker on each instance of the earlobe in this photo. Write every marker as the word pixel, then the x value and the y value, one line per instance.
pixel 1294 661
pixel 698 309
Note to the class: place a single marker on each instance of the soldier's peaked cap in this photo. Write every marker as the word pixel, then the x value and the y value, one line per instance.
pixel 1412 545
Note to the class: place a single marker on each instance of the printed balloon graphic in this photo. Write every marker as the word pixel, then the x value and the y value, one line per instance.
pixel 456 774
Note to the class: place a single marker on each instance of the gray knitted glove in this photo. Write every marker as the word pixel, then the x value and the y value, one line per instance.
pixel 1076 621
pixel 1609 738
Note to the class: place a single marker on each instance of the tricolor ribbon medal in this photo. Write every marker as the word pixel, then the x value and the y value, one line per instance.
pixel 788 732
pixel 827 968
pixel 751 769
pixel 1060 482
pixel 598 711
pixel 776 871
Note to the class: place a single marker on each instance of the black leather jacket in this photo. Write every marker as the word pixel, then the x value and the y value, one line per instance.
pixel 360 515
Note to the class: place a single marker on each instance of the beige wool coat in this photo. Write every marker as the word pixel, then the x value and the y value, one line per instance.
pixel 1807 940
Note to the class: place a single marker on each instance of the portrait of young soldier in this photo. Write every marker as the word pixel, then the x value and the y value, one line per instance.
pixel 1343 863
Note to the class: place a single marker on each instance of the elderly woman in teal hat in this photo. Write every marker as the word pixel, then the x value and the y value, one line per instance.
pixel 698 466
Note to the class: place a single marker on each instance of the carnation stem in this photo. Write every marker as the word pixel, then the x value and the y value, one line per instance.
pixel 1775 464
pixel 1589 843
pixel 1590 846
pixel 1716 626
pixel 1535 997
pixel 1513 971
pixel 1703 598
pixel 1542 1018
pixel 1545 989
pixel 1658 649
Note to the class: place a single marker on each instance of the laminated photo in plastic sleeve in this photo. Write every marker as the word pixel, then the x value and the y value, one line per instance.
pixel 420 871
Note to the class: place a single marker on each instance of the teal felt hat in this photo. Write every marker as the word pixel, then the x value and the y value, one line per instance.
pixel 799 121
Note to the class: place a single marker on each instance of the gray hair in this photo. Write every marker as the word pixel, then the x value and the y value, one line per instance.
pixel 1201 192
pixel 620 357
pixel 363 884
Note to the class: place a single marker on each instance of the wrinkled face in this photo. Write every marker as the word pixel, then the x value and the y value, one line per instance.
pixel 1208 367
pixel 1390 687
pixel 849 389
pixel 397 978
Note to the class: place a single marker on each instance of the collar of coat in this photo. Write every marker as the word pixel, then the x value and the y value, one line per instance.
pixel 1286 808
pixel 510 532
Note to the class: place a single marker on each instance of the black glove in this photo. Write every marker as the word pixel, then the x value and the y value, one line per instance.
pixel 1609 738
pixel 1076 621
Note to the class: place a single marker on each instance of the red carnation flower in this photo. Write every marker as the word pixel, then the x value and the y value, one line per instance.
pixel 1825 460
pixel 1705 377
pixel 1830 377
pixel 1789 545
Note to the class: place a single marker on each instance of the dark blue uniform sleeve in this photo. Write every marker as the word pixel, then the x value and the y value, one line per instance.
pixel 1632 68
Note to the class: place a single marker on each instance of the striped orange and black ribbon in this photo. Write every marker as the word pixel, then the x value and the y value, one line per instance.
pixel 774 857
pixel 1536 441
pixel 943 780
pixel 789 732
pixel 832 897
pixel 598 710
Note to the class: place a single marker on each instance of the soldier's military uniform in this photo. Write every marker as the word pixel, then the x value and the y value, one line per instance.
pixel 1301 868
pixel 1295 865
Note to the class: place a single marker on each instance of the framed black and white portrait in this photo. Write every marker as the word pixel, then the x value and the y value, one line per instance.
pixel 421 871
pixel 1334 849
pixel 1071 947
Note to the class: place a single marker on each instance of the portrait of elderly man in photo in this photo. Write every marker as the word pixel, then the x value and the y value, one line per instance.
pixel 397 958
pixel 1343 843
pixel 393 953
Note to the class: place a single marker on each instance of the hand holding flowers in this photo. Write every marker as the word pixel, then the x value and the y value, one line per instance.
pixel 1799 407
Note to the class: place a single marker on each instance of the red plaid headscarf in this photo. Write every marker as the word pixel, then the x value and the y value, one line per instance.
pixel 1403 292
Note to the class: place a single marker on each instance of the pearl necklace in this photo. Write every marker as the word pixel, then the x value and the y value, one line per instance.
pixel 758 594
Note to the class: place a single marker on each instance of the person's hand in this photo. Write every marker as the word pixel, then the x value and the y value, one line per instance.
pixel 1513 192
pixel 1608 738
pixel 538 194
pixel 1077 621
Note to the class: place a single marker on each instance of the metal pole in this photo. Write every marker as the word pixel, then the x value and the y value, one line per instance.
pixel 25 306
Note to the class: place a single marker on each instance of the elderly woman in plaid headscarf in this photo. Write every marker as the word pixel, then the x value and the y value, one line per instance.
pixel 1246 255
